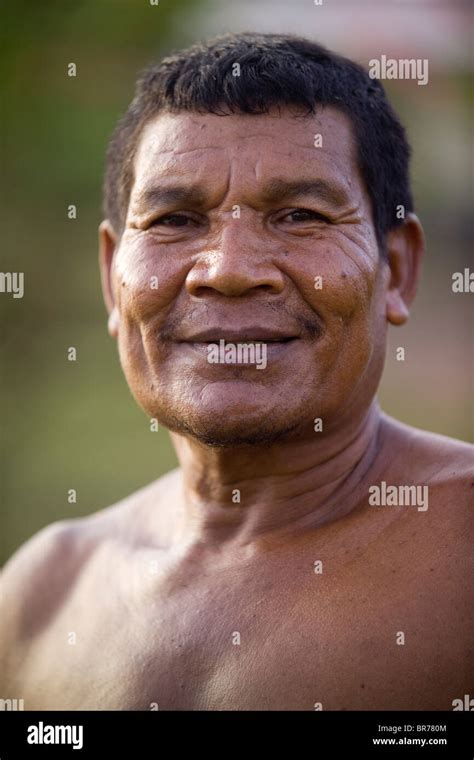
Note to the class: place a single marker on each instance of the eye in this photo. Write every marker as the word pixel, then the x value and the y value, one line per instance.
pixel 305 215
pixel 172 220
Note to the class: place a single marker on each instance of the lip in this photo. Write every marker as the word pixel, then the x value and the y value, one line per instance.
pixel 240 335
pixel 273 349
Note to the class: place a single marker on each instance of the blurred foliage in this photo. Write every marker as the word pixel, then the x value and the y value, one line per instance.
pixel 67 424
pixel 74 424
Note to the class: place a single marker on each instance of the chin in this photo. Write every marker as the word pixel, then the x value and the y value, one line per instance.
pixel 219 431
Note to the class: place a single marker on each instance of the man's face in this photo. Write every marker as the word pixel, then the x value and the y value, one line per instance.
pixel 240 255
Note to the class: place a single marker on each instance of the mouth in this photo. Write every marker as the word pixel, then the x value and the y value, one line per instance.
pixel 262 351
pixel 247 345
pixel 244 335
pixel 247 341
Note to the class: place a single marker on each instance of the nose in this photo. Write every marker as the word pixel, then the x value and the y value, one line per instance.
pixel 237 264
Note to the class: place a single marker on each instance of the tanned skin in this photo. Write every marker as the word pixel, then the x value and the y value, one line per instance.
pixel 183 597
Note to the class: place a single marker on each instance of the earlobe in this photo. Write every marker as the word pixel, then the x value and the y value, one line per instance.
pixel 113 323
pixel 405 249
pixel 397 310
pixel 107 246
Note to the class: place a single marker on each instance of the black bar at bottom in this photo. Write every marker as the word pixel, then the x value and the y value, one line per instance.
pixel 323 735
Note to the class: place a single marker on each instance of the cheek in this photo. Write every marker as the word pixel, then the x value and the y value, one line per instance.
pixel 146 282
pixel 337 286
pixel 147 278
pixel 345 299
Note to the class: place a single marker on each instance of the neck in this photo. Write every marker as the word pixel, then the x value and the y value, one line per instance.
pixel 244 495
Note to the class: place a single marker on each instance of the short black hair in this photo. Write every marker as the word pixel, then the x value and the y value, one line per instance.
pixel 275 70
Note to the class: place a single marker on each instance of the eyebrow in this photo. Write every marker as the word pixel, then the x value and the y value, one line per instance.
pixel 281 189
pixel 276 189
pixel 162 196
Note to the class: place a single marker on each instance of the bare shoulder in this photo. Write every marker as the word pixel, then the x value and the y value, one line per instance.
pixel 45 560
pixel 433 535
pixel 438 460
pixel 442 522
pixel 37 579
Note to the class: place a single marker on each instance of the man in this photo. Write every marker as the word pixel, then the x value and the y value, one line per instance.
pixel 310 552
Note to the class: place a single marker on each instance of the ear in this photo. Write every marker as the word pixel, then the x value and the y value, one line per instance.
pixel 107 245
pixel 405 249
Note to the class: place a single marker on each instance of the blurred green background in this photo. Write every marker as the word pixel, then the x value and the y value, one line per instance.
pixel 74 424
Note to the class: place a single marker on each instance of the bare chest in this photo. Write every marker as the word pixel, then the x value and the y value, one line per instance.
pixel 298 633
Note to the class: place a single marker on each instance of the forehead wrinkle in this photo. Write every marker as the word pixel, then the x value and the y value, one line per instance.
pixel 277 137
pixel 159 151
pixel 240 125
pixel 175 152
pixel 276 188
pixel 156 196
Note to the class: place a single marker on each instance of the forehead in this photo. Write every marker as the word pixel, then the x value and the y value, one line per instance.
pixel 264 145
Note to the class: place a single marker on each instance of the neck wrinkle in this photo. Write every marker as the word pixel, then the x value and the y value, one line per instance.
pixel 321 492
